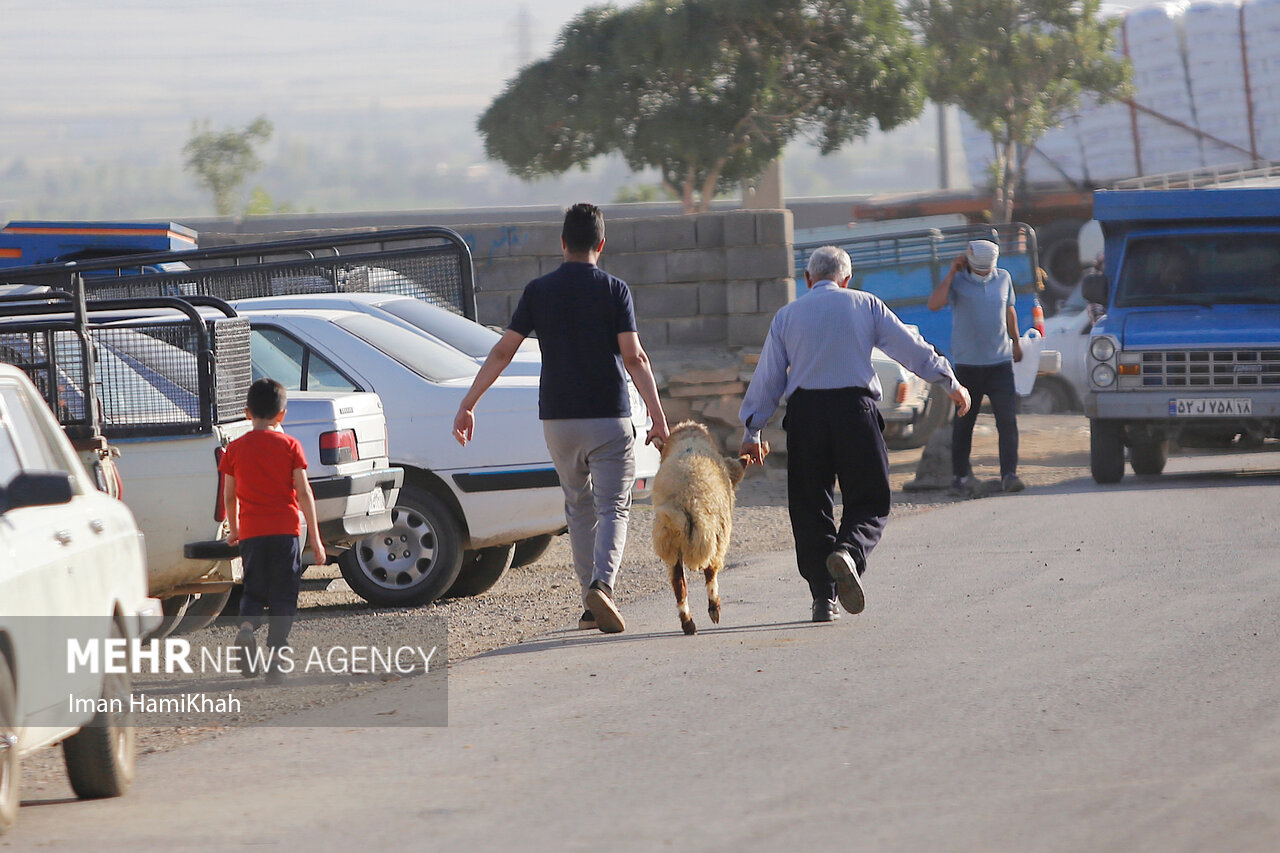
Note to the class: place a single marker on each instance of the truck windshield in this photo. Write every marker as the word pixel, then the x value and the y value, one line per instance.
pixel 1200 269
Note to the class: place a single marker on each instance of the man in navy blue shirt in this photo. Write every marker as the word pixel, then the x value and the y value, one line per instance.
pixel 817 356
pixel 586 328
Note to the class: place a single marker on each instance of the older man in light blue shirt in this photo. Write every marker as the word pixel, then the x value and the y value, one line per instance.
pixel 817 356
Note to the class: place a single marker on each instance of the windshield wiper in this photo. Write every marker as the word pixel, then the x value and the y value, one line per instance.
pixel 1249 299
pixel 1166 299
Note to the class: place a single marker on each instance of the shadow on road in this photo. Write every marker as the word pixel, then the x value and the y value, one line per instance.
pixel 570 637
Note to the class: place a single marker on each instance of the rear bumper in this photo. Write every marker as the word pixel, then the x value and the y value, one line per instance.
pixel 343 504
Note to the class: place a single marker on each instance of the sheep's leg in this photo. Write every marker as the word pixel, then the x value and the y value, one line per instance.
pixel 681 590
pixel 713 592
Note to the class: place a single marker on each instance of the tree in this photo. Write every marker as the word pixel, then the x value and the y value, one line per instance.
pixel 1018 68
pixel 706 91
pixel 223 160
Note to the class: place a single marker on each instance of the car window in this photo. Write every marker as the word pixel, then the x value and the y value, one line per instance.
pixel 10 464
pixel 458 332
pixel 278 355
pixel 33 451
pixel 425 357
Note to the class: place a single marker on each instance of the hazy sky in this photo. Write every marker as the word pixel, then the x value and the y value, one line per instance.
pixel 70 57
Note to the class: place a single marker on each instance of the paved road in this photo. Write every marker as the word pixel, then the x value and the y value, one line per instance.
pixel 1107 684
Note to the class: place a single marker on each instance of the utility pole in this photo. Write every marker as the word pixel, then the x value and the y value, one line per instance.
pixel 944 150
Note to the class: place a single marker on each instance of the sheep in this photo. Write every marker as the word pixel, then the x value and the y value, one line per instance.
pixel 693 495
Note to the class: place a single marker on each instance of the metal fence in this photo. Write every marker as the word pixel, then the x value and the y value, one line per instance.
pixel 152 376
pixel 431 264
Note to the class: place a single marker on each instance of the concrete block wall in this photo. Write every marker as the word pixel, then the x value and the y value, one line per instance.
pixel 709 279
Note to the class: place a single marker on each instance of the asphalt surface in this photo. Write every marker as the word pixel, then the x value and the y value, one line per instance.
pixel 1069 669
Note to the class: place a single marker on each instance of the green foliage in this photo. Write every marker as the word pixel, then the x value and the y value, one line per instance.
pixel 706 91
pixel 261 203
pixel 1018 68
pixel 223 160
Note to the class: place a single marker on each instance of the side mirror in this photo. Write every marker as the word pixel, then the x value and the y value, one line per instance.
pixel 37 488
pixel 1094 288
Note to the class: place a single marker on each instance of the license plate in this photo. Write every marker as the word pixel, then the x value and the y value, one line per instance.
pixel 377 502
pixel 1210 407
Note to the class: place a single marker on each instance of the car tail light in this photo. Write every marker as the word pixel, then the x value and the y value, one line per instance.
pixel 338 447
pixel 902 392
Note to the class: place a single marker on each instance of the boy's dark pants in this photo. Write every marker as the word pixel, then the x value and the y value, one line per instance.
pixel 272 578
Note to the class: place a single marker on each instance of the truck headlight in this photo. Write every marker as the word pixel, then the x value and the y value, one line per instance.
pixel 1104 375
pixel 1102 349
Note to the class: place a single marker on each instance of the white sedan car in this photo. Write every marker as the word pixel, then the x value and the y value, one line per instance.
pixel 466 336
pixel 71 567
pixel 459 505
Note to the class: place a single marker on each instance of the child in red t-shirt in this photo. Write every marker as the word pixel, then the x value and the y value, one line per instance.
pixel 265 483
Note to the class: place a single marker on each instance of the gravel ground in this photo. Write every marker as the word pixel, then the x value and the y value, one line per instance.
pixel 543 598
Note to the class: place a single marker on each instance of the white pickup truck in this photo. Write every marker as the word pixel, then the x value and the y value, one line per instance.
pixel 171 382
pixel 71 565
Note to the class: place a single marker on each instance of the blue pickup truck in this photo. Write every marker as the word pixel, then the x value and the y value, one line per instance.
pixel 1189 348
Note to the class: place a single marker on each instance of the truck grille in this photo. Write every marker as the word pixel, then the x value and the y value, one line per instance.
pixel 1244 368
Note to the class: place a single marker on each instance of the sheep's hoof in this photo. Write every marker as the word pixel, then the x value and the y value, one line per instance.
pixel 689 627
pixel 714 611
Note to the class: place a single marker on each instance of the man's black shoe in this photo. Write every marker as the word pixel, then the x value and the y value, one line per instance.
pixel 825 610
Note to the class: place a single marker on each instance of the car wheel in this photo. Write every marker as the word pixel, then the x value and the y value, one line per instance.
pixel 937 411
pixel 529 550
pixel 1047 397
pixel 1106 451
pixel 412 563
pixel 102 756
pixel 481 570
pixel 202 611
pixel 10 766
pixel 1149 457
pixel 172 610
pixel 1059 250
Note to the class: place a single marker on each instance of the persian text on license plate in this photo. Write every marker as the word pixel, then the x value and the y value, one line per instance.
pixel 1210 407
pixel 377 502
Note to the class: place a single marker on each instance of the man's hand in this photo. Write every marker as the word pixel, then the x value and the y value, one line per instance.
pixel 658 434
pixel 464 426
pixel 1017 349
pixel 754 452
pixel 958 263
pixel 961 399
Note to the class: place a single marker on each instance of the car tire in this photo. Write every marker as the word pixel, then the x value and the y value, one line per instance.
pixel 1149 457
pixel 202 611
pixel 10 764
pixel 1048 396
pixel 528 551
pixel 172 610
pixel 937 411
pixel 481 570
pixel 1106 451
pixel 412 563
pixel 1058 245
pixel 102 756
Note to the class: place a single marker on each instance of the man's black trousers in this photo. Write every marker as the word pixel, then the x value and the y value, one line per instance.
pixel 835 435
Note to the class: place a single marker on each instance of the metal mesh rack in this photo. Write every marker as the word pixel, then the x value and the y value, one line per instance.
pixel 153 376
pixel 431 264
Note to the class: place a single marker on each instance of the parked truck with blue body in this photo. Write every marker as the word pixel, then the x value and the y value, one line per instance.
pixel 902 267
pixel 1189 347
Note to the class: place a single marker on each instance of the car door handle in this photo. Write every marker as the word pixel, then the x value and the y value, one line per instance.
pixel 96 525
pixel 63 536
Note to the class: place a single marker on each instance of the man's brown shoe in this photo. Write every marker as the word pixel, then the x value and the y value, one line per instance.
pixel 608 619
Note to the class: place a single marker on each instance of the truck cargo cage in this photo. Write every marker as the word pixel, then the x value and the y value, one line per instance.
pixel 159 367
pixel 428 263
pixel 885 263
